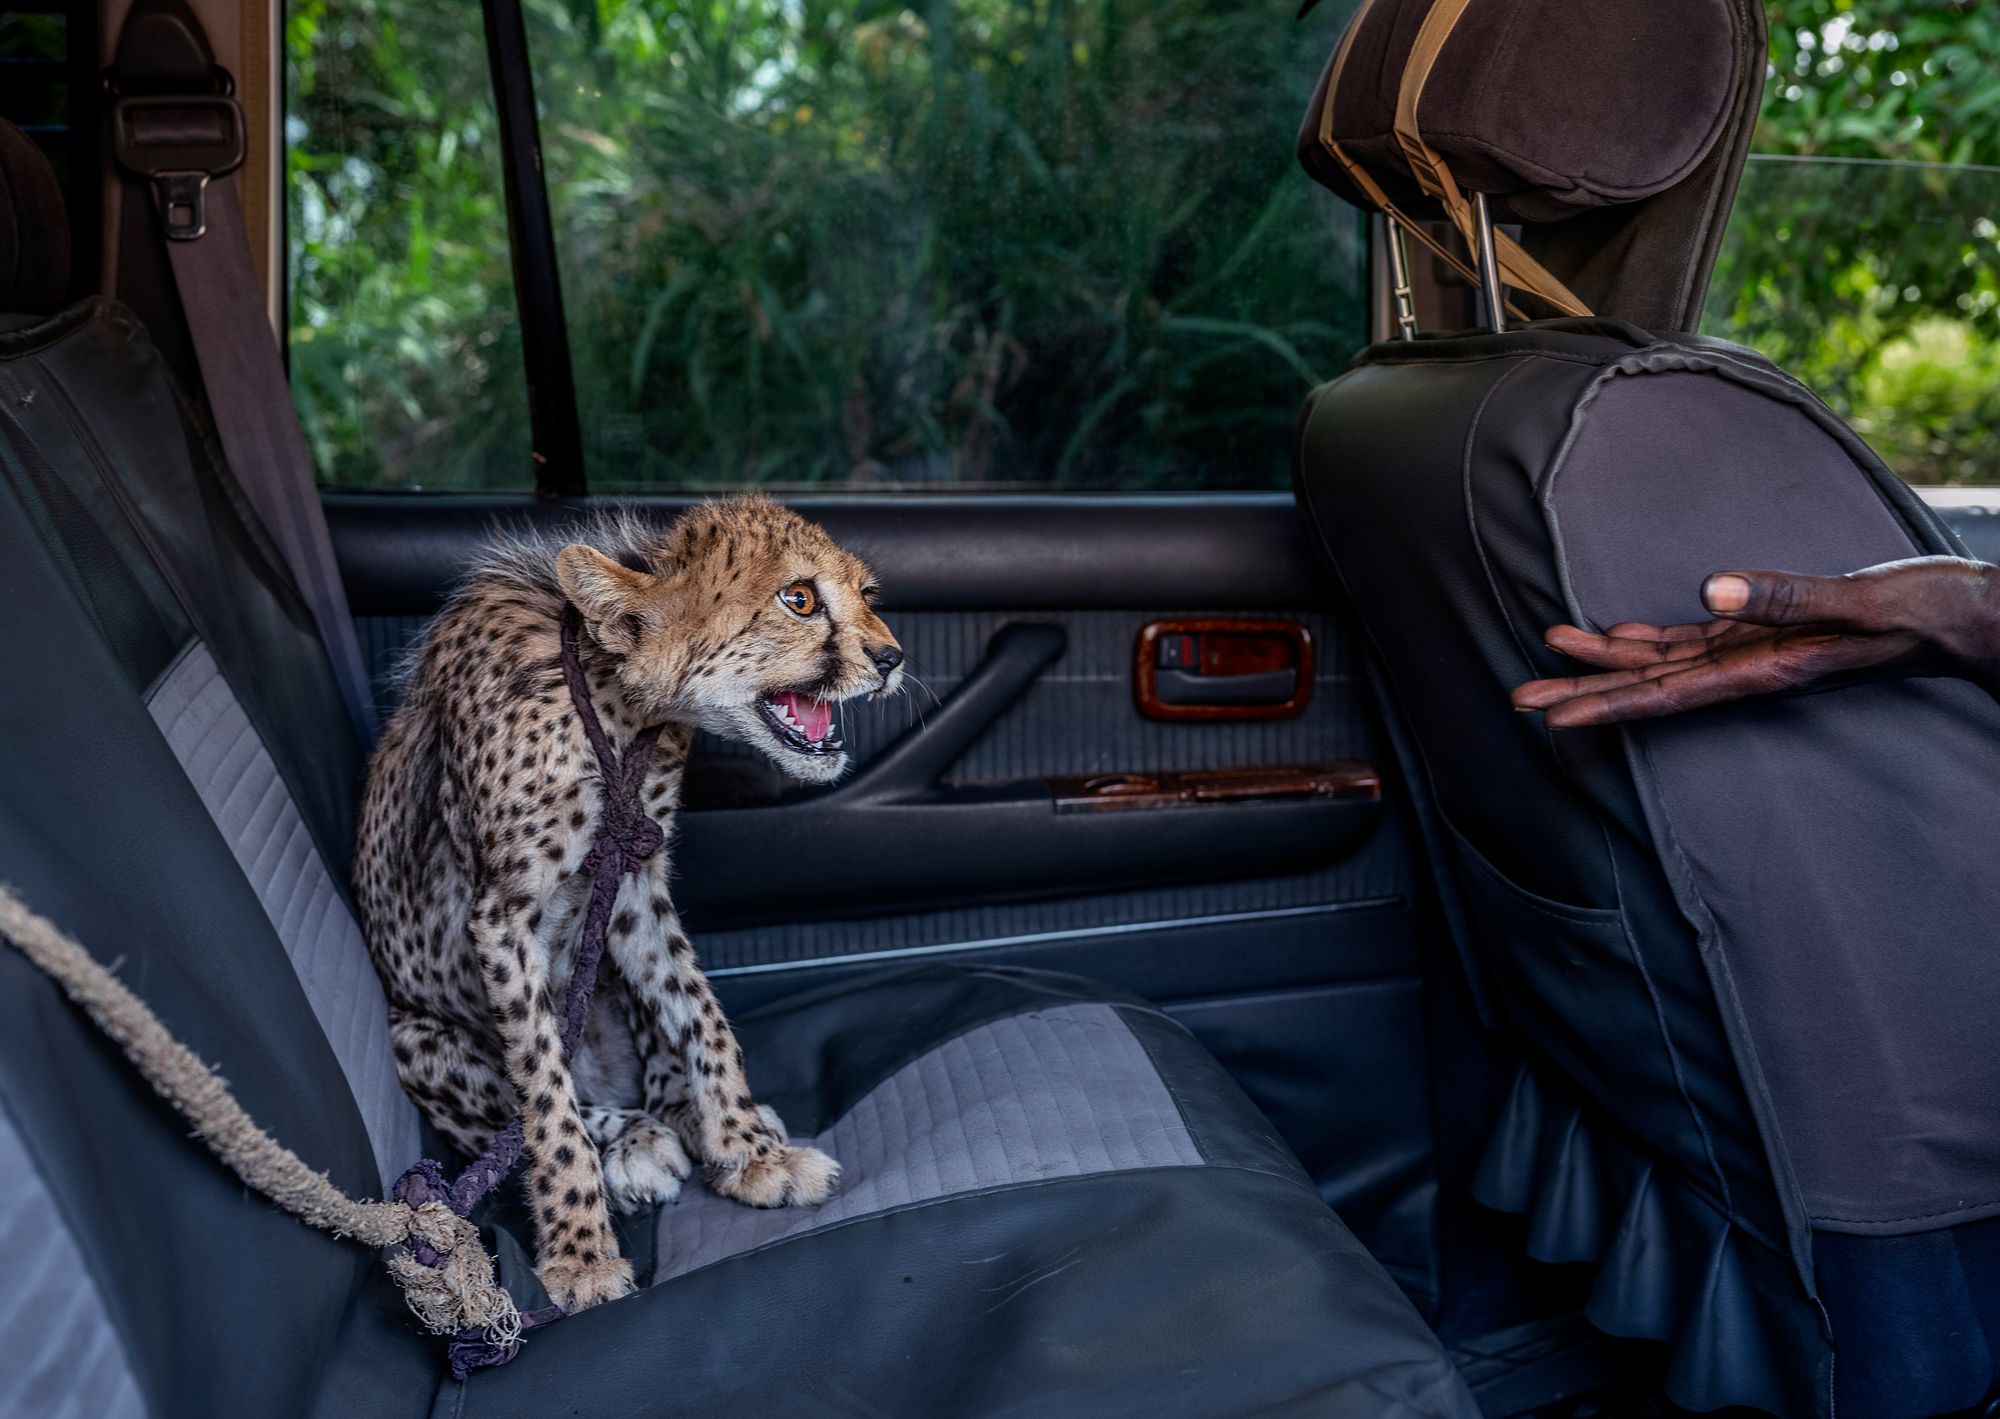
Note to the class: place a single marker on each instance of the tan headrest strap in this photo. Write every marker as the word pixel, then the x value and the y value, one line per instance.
pixel 1434 175
pixel 1366 181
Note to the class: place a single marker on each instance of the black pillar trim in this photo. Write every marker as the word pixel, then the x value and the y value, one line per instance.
pixel 552 416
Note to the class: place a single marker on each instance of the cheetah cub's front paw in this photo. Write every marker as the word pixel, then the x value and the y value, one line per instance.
pixel 577 1285
pixel 785 1176
pixel 644 1168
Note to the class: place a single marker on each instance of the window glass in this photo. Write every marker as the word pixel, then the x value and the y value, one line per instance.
pixel 405 348
pixel 48 55
pixel 35 45
pixel 962 244
pixel 1864 251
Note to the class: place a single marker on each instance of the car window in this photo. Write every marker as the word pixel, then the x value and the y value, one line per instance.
pixel 1864 250
pixel 960 245
pixel 48 57
pixel 405 346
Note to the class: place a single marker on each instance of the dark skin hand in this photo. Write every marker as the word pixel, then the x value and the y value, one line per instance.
pixel 1776 632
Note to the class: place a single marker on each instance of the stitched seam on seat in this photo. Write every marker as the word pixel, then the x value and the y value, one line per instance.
pixel 1667 1038
pixel 953 1114
pixel 1016 1103
pixel 1388 359
pixel 1173 1092
pixel 105 1296
pixel 991 1190
pixel 1990 1205
pixel 1010 1012
pixel 1073 1111
pixel 1472 431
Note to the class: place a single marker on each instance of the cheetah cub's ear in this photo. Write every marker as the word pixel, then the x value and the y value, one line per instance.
pixel 612 597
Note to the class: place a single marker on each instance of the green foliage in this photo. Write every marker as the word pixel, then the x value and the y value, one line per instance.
pixel 1057 242
pixel 1857 257
pixel 405 350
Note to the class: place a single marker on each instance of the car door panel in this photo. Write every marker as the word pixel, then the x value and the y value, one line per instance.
pixel 1280 931
pixel 1977 525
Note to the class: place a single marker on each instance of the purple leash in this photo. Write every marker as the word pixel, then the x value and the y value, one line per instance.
pixel 626 839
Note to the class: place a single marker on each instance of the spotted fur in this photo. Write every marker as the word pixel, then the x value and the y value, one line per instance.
pixel 483 800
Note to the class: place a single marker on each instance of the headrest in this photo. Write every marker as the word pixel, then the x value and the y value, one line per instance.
pixel 1552 108
pixel 34 231
pixel 1547 106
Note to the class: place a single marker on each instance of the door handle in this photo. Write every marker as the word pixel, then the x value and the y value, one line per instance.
pixel 897 837
pixel 1222 669
pixel 1255 687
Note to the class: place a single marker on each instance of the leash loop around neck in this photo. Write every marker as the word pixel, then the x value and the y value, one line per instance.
pixel 627 836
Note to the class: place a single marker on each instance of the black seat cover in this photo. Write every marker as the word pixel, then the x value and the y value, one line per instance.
pixel 1744 952
pixel 1056 1202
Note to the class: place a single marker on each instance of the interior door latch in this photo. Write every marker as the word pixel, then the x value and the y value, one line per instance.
pixel 1222 669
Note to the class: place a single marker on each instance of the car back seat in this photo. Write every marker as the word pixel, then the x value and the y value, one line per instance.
pixel 1055 1201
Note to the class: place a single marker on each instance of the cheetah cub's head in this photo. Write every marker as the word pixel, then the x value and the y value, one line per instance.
pixel 750 622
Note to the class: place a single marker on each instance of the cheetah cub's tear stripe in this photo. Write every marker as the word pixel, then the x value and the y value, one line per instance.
pixel 483 802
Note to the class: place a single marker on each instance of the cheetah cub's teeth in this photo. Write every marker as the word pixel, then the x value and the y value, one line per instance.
pixel 803 722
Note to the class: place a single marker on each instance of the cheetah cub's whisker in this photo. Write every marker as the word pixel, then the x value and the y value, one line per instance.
pixel 483 802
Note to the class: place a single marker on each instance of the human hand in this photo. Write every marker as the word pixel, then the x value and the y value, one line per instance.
pixel 1777 631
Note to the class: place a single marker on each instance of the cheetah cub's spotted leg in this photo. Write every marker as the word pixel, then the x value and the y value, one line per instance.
pixel 644 1159
pixel 576 1252
pixel 742 1147
pixel 457 1083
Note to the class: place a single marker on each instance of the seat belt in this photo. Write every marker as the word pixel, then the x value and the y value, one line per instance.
pixel 176 125
pixel 1434 175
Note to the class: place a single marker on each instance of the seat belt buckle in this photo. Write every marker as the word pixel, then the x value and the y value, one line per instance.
pixel 179 143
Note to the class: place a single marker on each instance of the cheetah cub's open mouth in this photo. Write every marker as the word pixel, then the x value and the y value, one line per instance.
pixel 802 722
pixel 748 622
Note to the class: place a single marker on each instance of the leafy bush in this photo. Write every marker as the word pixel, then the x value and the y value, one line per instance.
pixel 1855 259
pixel 1054 242
pixel 405 349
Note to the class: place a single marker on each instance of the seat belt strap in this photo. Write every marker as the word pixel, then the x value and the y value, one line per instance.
pixel 1365 180
pixel 1434 175
pixel 187 146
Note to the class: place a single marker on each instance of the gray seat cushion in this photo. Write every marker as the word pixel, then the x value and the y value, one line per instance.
pixel 1055 1202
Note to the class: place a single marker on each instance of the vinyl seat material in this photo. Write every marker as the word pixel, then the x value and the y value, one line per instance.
pixel 1055 1202
pixel 1743 955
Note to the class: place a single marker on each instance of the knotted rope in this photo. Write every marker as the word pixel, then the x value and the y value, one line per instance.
pixel 455 1293
pixel 445 1272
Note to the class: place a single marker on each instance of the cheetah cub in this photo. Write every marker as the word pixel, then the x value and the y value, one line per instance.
pixel 483 802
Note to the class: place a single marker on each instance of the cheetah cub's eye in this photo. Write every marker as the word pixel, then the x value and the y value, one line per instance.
pixel 800 599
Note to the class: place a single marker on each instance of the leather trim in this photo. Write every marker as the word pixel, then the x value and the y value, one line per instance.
pixel 399 553
pixel 1203 1290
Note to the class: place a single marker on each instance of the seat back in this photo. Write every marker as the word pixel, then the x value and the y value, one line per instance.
pixel 177 794
pixel 1742 951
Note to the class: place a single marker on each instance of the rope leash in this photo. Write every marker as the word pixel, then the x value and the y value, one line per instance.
pixel 626 838
pixel 458 1293
pixel 445 1271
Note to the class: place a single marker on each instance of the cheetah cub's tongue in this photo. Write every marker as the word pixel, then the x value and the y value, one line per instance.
pixel 813 717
